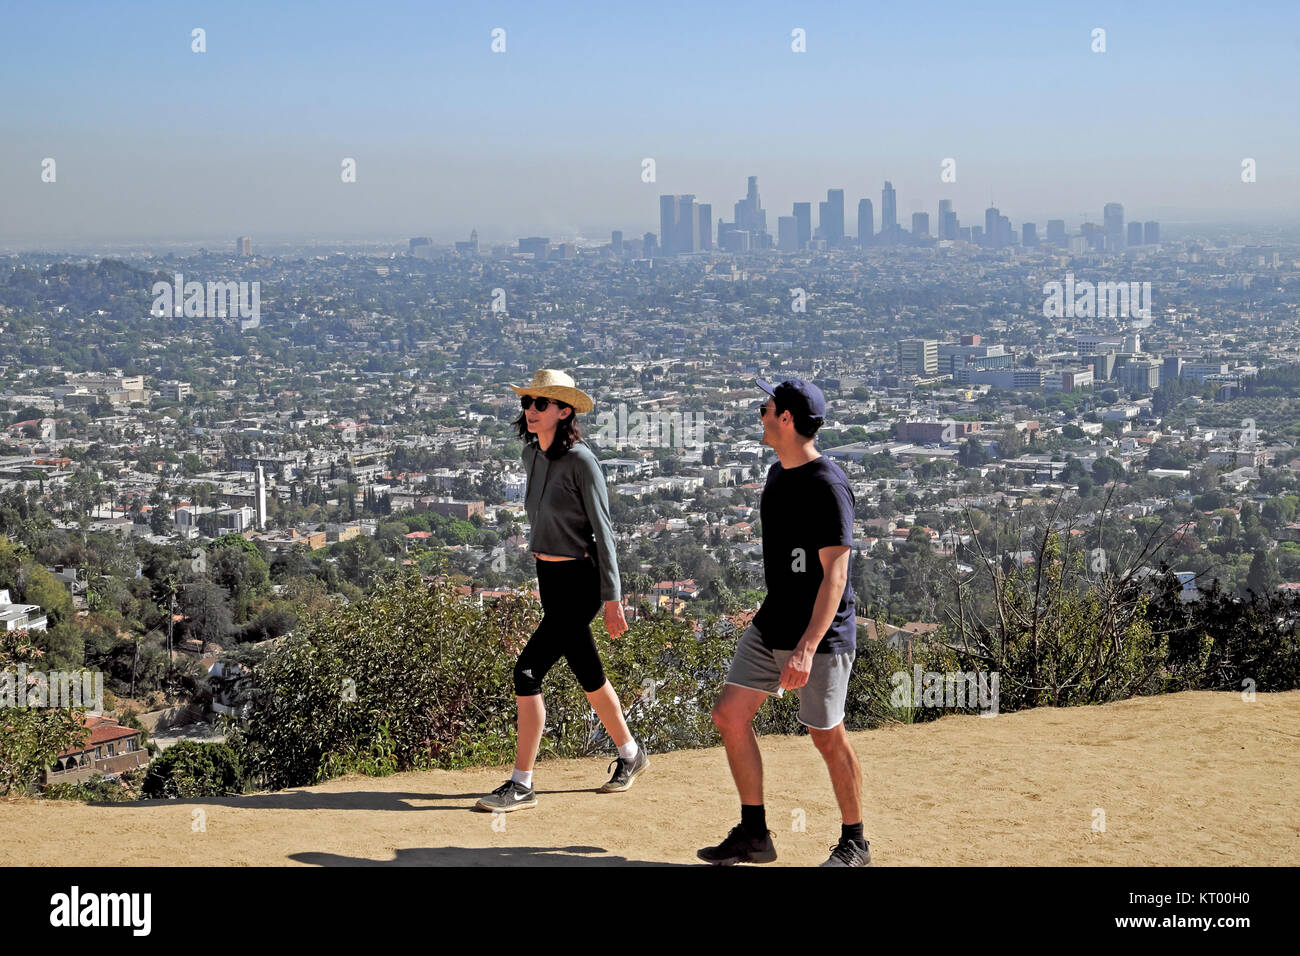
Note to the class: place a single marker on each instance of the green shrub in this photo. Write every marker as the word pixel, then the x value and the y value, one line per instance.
pixel 194 769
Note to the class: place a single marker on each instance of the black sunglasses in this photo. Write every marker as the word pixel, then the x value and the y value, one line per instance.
pixel 543 403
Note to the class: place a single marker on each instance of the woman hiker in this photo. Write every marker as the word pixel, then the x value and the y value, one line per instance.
pixel 572 540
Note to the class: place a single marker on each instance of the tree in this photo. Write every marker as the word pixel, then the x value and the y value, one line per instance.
pixel 33 737
pixel 207 612
pixel 1263 577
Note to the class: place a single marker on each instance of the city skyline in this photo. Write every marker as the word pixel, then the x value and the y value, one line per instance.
pixel 549 136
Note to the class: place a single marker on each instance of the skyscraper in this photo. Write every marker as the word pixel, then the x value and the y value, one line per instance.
pixel 941 224
pixel 688 224
pixel 888 211
pixel 1151 233
pixel 1056 232
pixel 992 234
pixel 1134 233
pixel 866 222
pixel 787 233
pixel 832 217
pixel 1029 235
pixel 751 217
pixel 705 211
pixel 1112 217
pixel 667 224
pixel 920 224
pixel 803 223
pixel 244 247
pixel 616 241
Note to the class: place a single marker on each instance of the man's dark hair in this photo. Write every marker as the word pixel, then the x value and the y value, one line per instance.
pixel 567 431
pixel 805 425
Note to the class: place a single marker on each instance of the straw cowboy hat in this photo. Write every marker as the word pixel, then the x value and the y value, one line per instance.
pixel 552 383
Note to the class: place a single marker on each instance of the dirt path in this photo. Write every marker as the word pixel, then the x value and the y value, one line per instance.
pixel 1194 778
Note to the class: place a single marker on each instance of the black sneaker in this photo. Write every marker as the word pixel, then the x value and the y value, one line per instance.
pixel 848 853
pixel 511 795
pixel 626 772
pixel 740 847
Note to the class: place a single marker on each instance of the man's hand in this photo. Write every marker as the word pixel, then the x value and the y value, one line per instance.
pixel 615 622
pixel 797 668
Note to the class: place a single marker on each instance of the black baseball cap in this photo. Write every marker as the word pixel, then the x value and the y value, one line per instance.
pixel 802 398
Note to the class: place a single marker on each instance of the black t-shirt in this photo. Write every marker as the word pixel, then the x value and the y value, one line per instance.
pixel 803 510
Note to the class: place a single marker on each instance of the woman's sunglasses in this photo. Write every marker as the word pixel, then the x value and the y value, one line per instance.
pixel 527 401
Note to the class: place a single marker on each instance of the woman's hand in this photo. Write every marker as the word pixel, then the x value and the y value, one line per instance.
pixel 615 623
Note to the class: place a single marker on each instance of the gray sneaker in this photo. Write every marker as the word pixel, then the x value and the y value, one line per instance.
pixel 511 795
pixel 848 853
pixel 626 771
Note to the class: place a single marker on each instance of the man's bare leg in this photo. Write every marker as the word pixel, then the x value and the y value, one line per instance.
pixel 733 715
pixel 846 772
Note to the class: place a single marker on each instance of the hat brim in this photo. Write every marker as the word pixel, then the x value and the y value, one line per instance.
pixel 576 397
pixel 767 387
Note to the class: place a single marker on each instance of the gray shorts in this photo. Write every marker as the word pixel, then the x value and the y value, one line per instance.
pixel 821 700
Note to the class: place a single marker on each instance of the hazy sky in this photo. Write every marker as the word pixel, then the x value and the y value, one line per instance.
pixel 153 140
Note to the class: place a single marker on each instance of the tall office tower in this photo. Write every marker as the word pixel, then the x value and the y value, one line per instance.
pixel 1094 236
pixel 751 217
pixel 941 224
pixel 991 232
pixel 918 356
pixel 949 225
pixel 260 482
pixel 706 225
pixel 888 212
pixel 787 233
pixel 1056 232
pixel 688 224
pixel 977 235
pixel 1112 217
pixel 920 224
pixel 1151 233
pixel 1135 233
pixel 649 248
pixel 1029 235
pixel 244 246
pixel 667 224
pixel 1006 237
pixel 803 223
pixel 832 221
pixel 866 222
pixel 616 241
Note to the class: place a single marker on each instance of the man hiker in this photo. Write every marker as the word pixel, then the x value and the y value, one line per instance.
pixel 803 637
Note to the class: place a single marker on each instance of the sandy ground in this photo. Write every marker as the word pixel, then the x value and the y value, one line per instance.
pixel 1194 778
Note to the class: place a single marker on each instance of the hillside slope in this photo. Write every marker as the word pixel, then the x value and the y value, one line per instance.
pixel 1195 778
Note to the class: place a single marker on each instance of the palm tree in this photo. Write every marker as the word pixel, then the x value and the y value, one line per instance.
pixel 674 572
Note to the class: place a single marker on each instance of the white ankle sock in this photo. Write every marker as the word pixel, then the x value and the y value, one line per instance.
pixel 628 750
pixel 522 776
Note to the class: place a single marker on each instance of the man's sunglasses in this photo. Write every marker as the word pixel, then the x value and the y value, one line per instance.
pixel 527 401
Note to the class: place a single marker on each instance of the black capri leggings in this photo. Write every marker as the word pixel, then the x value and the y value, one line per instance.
pixel 570 592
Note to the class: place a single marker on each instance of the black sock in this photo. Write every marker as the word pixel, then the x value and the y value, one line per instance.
pixel 853 831
pixel 754 819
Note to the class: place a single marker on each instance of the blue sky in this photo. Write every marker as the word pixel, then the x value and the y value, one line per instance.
pixel 151 139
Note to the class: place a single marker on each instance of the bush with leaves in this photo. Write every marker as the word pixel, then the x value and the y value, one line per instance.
pixel 415 676
pixel 193 769
pixel 31 738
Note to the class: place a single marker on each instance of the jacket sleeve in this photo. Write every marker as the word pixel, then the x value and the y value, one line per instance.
pixel 595 499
